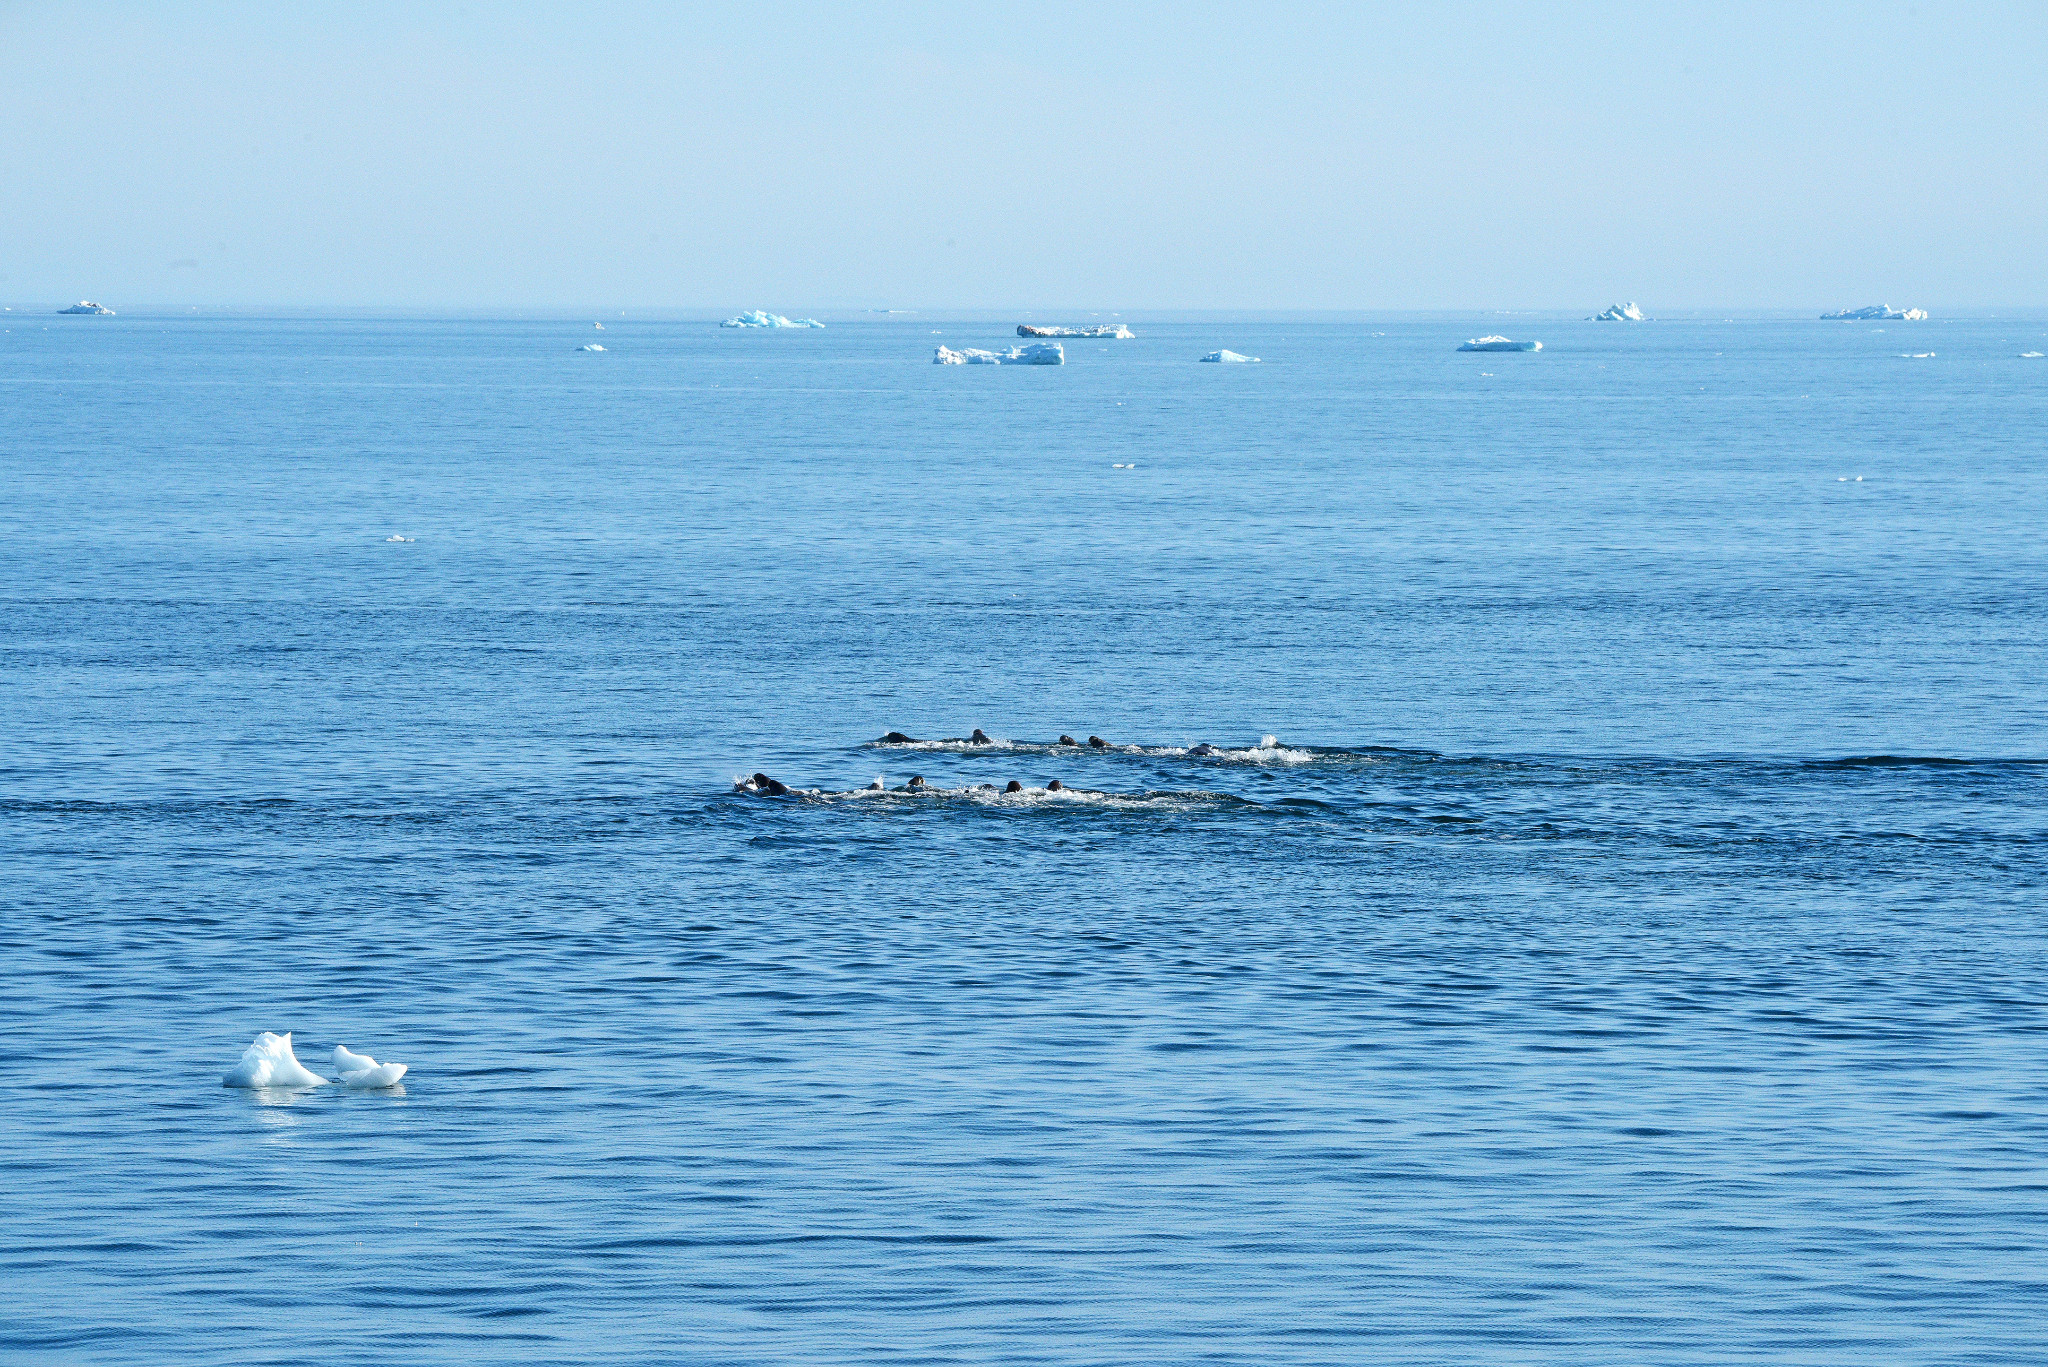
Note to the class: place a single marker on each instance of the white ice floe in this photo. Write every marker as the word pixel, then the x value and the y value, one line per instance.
pixel 1619 313
pixel 1117 330
pixel 1039 353
pixel 2030 355
pixel 1877 313
pixel 1916 355
pixel 360 1070
pixel 1230 357
pixel 590 346
pixel 758 319
pixel 1498 343
pixel 395 537
pixel 269 1062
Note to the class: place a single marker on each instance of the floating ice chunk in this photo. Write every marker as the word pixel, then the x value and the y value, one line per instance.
pixel 269 1062
pixel 1498 343
pixel 758 319
pixel 1879 313
pixel 360 1070
pixel 1106 330
pixel 1619 313
pixel 1039 353
pixel 2030 355
pixel 1916 355
pixel 1230 357
pixel 389 539
pixel 590 346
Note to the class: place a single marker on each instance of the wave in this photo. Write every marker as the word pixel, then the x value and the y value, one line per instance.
pixel 990 796
pixel 1268 750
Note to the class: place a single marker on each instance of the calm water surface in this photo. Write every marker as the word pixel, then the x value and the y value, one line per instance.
pixel 1632 953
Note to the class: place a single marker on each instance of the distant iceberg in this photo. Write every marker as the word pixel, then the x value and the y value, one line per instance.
pixel 1229 356
pixel 1877 313
pixel 88 306
pixel 758 319
pixel 1620 313
pixel 1499 344
pixel 2030 355
pixel 590 346
pixel 1106 330
pixel 1040 353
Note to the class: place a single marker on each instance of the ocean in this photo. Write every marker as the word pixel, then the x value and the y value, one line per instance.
pixel 1628 950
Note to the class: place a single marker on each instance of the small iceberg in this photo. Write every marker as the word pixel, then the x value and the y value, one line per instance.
pixel 360 1070
pixel 1106 330
pixel 88 306
pixel 396 538
pixel 1230 358
pixel 2030 355
pixel 1040 353
pixel 269 1062
pixel 590 346
pixel 1619 313
pixel 1916 355
pixel 1499 344
pixel 758 319
pixel 1878 313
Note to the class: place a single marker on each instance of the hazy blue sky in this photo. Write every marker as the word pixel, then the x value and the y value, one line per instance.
pixel 809 156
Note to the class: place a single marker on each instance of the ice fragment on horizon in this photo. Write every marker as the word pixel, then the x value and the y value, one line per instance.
pixel 269 1062
pixel 590 346
pixel 1039 353
pixel 1117 330
pixel 1619 313
pixel 1498 343
pixel 1230 357
pixel 360 1070
pixel 760 319
pixel 1878 313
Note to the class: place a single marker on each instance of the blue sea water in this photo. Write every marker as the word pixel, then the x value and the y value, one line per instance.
pixel 1631 953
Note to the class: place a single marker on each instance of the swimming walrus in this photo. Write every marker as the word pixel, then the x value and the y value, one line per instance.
pixel 1098 743
pixel 1015 787
pixel 898 738
pixel 1068 740
pixel 980 737
pixel 774 787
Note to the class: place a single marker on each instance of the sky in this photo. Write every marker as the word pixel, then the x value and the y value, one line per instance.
pixel 806 156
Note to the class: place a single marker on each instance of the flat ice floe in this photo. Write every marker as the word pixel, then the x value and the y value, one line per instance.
pixel 759 319
pixel 1499 344
pixel 1039 353
pixel 269 1062
pixel 1880 313
pixel 1230 357
pixel 590 346
pixel 1619 313
pixel 1117 330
